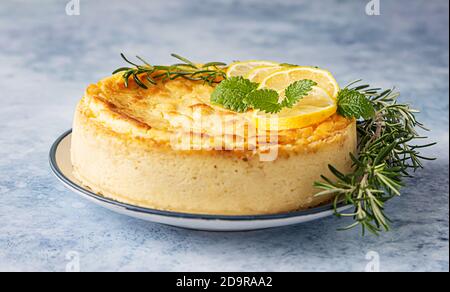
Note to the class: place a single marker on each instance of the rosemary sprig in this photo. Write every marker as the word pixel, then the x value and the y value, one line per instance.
pixel 212 72
pixel 387 155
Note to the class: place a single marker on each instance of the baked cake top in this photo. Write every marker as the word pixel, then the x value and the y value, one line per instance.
pixel 180 108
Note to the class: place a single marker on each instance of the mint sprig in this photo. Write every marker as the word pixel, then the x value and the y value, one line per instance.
pixel 354 104
pixel 239 94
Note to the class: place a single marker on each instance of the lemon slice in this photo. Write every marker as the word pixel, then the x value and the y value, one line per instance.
pixel 282 78
pixel 243 68
pixel 258 74
pixel 314 108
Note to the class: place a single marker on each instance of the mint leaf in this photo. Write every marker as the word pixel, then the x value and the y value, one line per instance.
pixel 265 100
pixel 239 94
pixel 353 104
pixel 297 91
pixel 231 93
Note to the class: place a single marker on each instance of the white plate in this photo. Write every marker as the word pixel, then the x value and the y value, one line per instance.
pixel 62 168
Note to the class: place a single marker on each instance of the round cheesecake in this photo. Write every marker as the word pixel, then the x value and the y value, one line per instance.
pixel 168 148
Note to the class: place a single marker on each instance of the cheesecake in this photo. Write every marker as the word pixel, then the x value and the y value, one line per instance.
pixel 168 147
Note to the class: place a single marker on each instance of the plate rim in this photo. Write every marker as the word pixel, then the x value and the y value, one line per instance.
pixel 172 214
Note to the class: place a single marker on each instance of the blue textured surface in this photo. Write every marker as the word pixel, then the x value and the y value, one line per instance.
pixel 48 58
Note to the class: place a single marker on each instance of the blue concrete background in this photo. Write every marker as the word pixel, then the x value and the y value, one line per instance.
pixel 48 58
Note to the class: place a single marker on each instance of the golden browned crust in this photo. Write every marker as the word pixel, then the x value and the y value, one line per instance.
pixel 157 114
